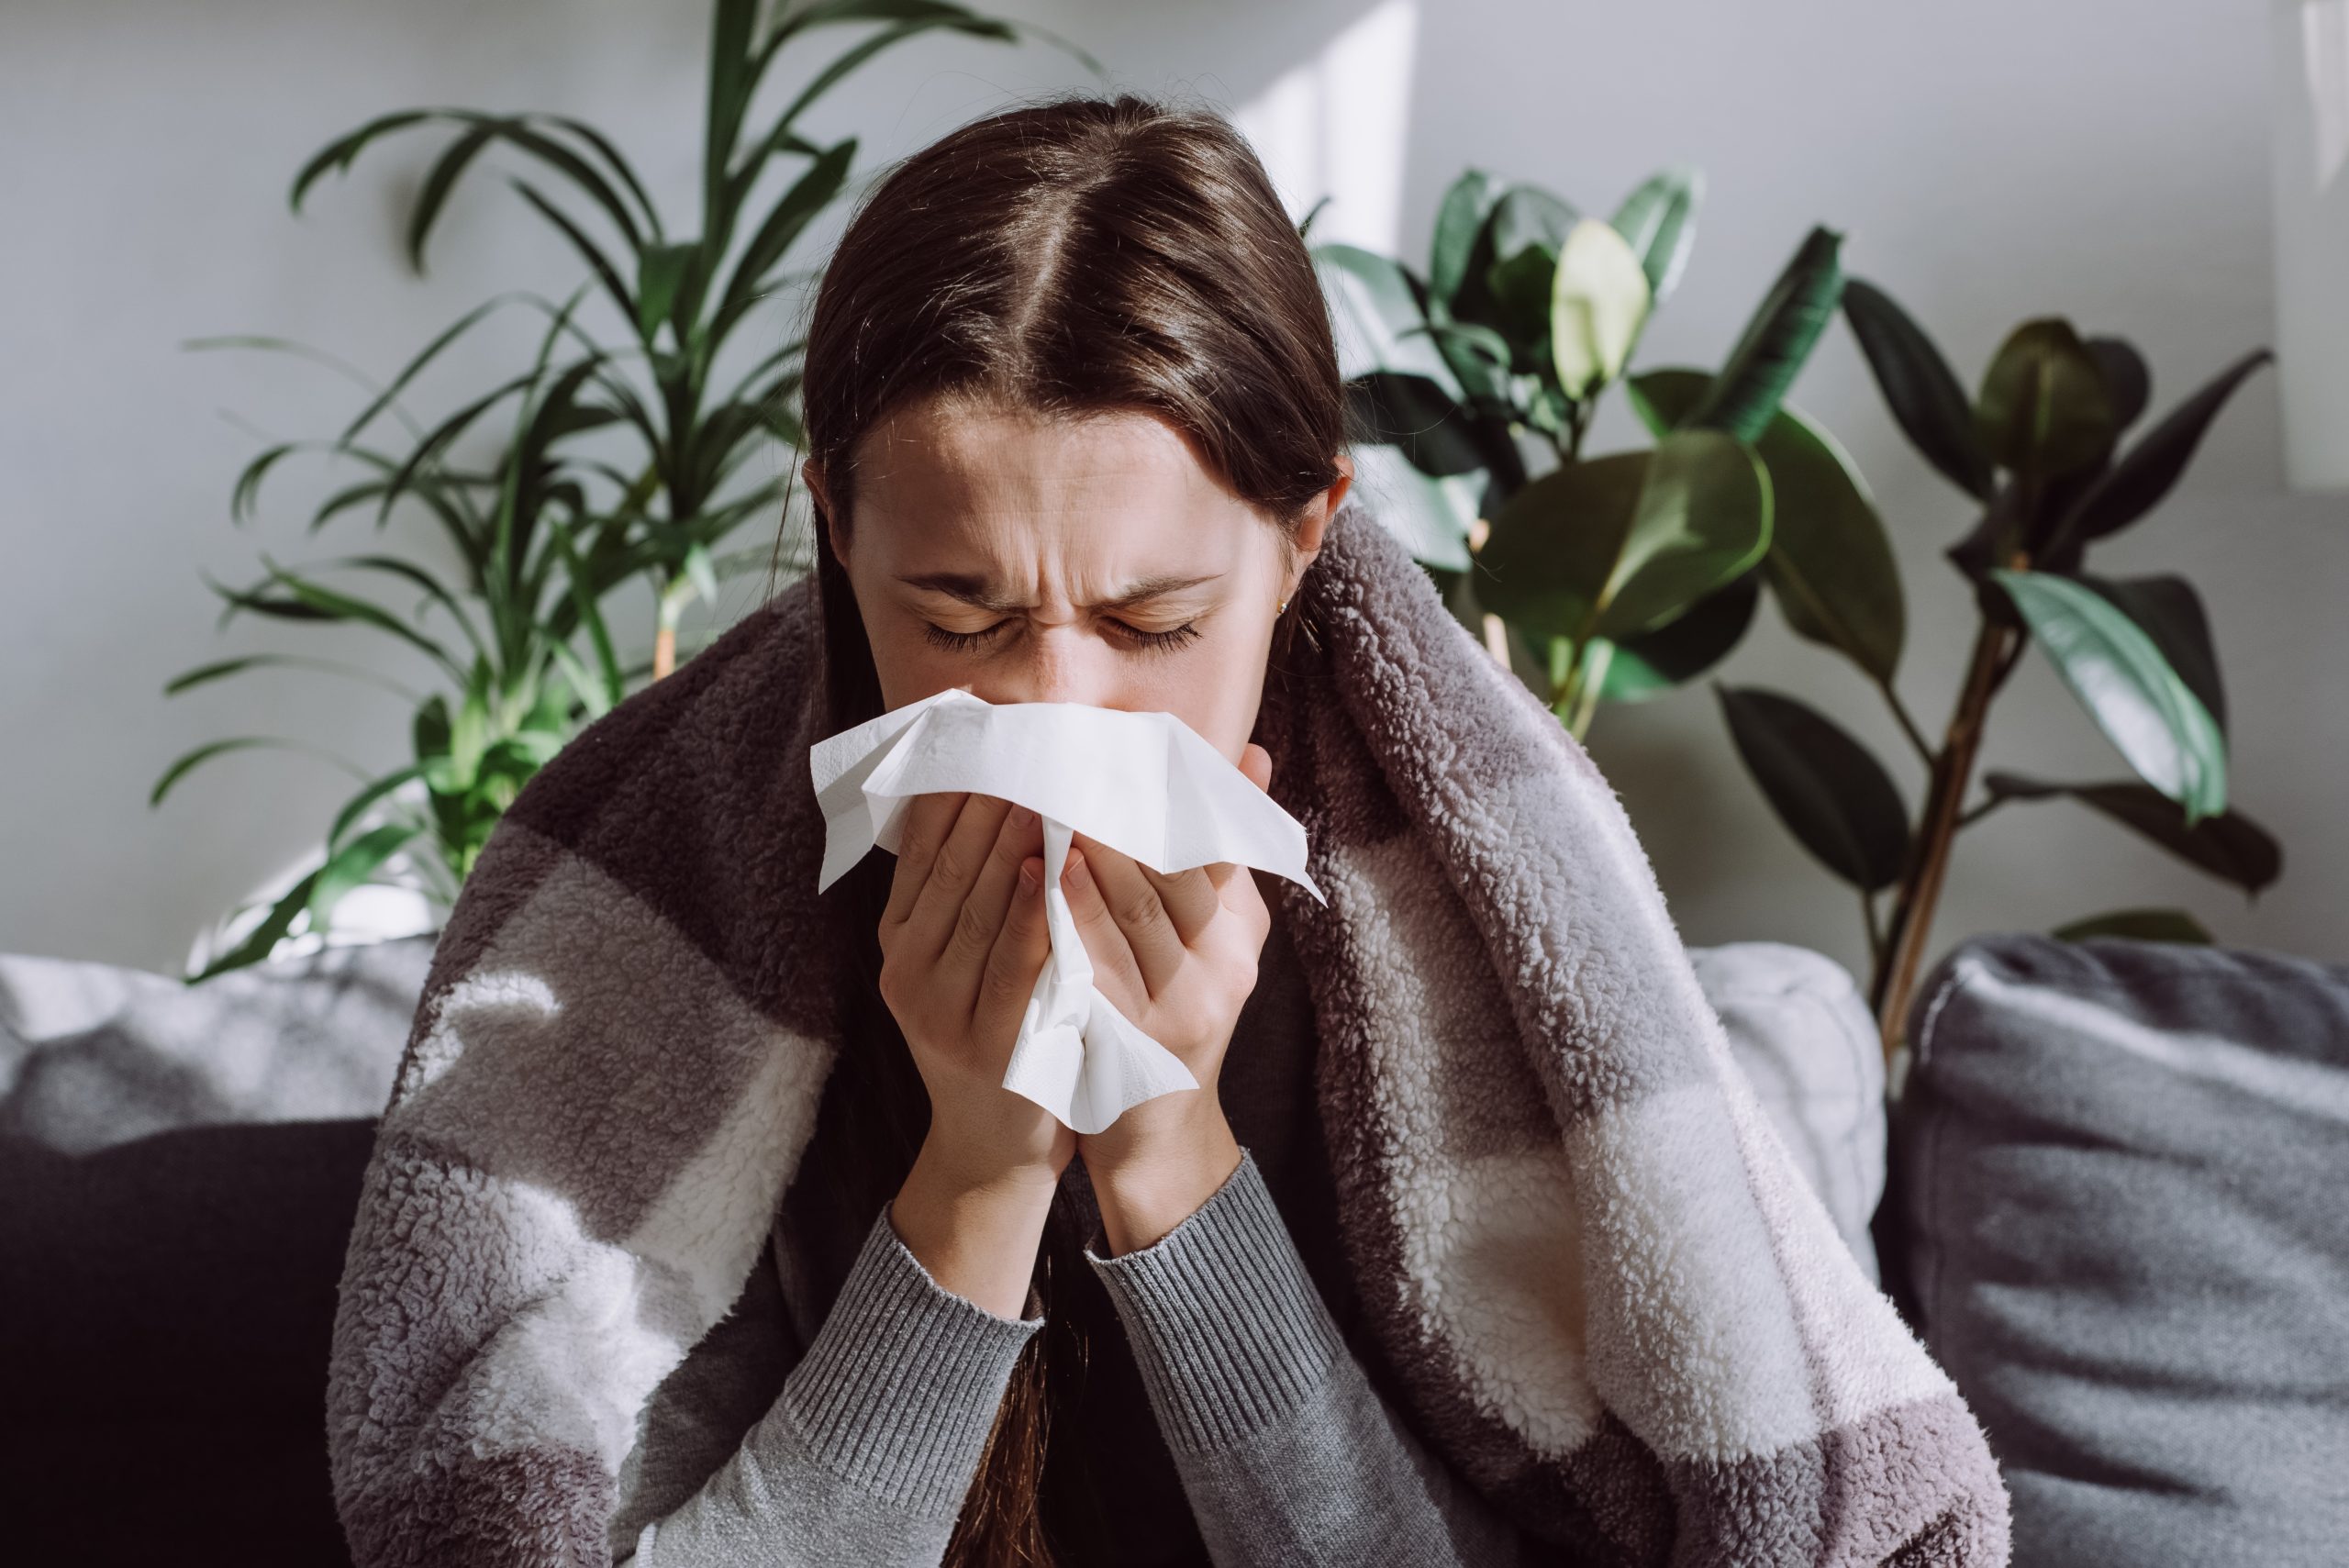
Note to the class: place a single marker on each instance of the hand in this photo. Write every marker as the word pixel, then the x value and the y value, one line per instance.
pixel 1176 953
pixel 963 943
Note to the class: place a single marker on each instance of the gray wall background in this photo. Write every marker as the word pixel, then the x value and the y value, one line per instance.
pixel 1991 161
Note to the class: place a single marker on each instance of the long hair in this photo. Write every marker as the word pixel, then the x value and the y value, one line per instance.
pixel 1070 258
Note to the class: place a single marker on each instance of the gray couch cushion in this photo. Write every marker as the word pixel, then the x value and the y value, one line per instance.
pixel 1799 1028
pixel 2120 1166
pixel 92 1055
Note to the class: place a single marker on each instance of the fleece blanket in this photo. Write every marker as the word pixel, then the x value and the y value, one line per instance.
pixel 1605 1294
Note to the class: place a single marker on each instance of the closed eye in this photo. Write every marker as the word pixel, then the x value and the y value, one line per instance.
pixel 1147 641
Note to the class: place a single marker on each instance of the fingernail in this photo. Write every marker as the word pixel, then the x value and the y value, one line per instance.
pixel 1028 879
pixel 1077 871
pixel 1021 817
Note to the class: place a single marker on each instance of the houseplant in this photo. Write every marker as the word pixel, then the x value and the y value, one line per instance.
pixel 1616 575
pixel 2041 447
pixel 626 449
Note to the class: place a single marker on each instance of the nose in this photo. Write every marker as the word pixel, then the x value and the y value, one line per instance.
pixel 1057 664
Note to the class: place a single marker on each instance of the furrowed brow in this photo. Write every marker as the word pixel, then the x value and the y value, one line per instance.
pixel 973 589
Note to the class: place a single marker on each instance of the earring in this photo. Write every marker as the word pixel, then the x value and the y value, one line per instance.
pixel 1280 608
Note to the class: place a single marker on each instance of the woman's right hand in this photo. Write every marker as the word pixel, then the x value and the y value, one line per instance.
pixel 963 943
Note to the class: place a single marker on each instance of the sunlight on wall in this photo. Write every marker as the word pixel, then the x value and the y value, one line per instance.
pixel 1336 126
pixel 2310 104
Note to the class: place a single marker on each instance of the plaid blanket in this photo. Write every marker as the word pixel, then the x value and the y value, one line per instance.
pixel 1606 1295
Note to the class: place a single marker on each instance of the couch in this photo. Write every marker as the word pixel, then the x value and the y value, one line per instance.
pixel 2107 1197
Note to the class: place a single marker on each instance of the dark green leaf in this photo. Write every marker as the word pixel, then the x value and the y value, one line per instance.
pixel 1828 789
pixel 2138 925
pixel 263 939
pixel 1925 398
pixel 1659 219
pixel 1415 415
pixel 2126 380
pixel 2119 676
pixel 1458 220
pixel 2138 482
pixel 1683 646
pixel 2229 846
pixel 1830 562
pixel 337 154
pixel 352 866
pixel 442 179
pixel 2167 609
pixel 1776 341
pixel 2043 410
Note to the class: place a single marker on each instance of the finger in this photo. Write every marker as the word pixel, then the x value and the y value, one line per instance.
pixel 1190 897
pixel 918 836
pixel 1105 942
pixel 953 871
pixel 980 919
pixel 1016 960
pixel 1257 763
pixel 1131 891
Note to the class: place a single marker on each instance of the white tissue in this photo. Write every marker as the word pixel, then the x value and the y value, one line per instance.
pixel 1147 784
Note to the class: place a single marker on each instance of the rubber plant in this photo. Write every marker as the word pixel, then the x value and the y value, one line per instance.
pixel 1614 576
pixel 2040 446
pixel 626 450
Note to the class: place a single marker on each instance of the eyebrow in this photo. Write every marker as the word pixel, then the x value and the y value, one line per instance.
pixel 973 589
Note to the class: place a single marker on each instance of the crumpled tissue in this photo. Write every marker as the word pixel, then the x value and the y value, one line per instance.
pixel 1147 784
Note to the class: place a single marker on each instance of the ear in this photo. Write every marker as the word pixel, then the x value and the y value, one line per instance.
pixel 811 474
pixel 1317 518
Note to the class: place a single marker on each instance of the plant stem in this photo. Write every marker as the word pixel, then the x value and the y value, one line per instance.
pixel 1908 725
pixel 1596 654
pixel 1920 883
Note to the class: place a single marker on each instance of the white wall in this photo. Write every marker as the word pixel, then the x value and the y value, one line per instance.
pixel 1988 162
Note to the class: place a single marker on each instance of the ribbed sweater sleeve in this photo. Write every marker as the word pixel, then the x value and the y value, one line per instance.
pixel 865 1458
pixel 1286 1452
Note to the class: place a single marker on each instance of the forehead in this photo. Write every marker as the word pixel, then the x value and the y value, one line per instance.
pixel 937 478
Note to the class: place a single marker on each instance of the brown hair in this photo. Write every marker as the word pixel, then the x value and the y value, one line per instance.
pixel 1073 257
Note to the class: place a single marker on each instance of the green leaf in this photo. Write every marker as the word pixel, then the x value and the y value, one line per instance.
pixel 2043 410
pixel 1522 219
pixel 1415 415
pixel 2127 381
pixel 356 807
pixel 1776 341
pixel 187 763
pixel 1829 790
pixel 352 866
pixel 2119 676
pixel 1617 545
pixel 263 939
pixel 434 193
pixel 1431 517
pixel 1659 219
pixel 1830 562
pixel 809 195
pixel 2136 483
pixel 1598 302
pixel 1671 655
pixel 1458 221
pixel 339 154
pixel 2230 846
pixel 1376 306
pixel 660 273
pixel 2138 925
pixel 1925 398
pixel 2168 610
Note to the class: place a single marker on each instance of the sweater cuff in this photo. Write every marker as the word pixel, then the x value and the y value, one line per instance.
pixel 1229 1332
pixel 900 1387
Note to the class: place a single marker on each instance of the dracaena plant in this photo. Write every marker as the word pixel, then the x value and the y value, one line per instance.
pixel 2042 446
pixel 1613 576
pixel 629 449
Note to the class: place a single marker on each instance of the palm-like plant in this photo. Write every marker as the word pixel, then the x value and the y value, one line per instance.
pixel 625 453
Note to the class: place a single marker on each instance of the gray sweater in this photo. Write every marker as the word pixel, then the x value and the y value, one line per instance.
pixel 1286 1453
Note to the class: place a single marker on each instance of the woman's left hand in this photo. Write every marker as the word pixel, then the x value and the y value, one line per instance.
pixel 1178 956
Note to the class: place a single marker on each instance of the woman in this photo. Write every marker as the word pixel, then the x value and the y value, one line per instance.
pixel 1075 431
pixel 699 1229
